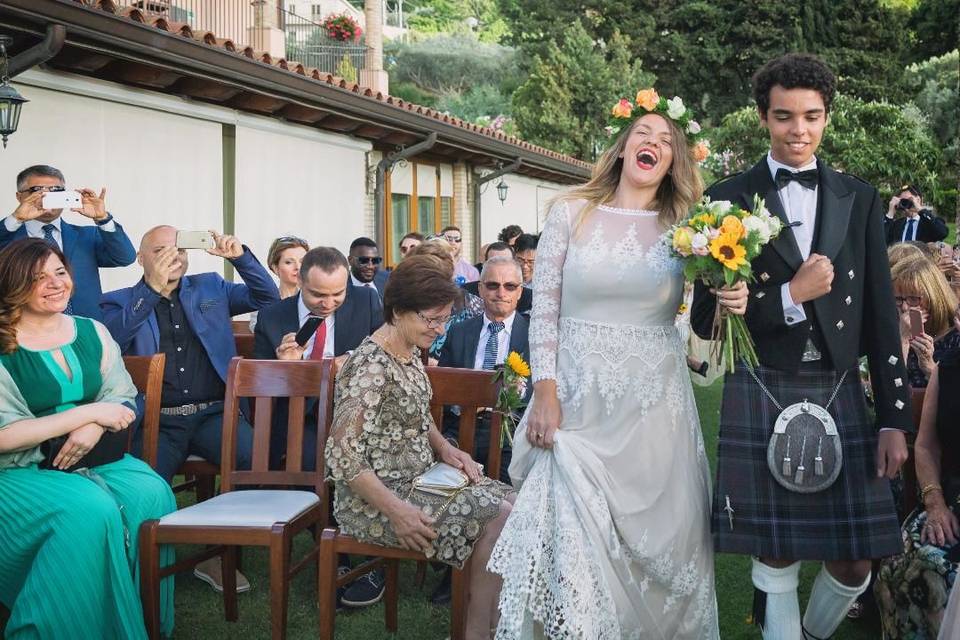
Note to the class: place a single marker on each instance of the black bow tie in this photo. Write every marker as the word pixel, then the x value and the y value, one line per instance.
pixel 806 179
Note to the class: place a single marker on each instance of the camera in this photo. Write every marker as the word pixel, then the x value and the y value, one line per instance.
pixel 906 204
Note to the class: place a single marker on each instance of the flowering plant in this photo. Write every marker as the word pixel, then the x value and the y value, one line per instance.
pixel 716 244
pixel 649 101
pixel 342 27
pixel 513 378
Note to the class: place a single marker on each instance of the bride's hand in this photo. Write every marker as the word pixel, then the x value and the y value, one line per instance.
pixel 544 416
pixel 733 299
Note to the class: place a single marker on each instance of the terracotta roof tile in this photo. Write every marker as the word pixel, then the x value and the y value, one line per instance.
pixel 209 38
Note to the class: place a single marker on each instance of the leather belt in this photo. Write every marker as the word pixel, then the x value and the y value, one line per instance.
pixel 187 409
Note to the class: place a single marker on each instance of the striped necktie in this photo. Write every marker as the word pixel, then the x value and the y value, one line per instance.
pixel 50 240
pixel 493 345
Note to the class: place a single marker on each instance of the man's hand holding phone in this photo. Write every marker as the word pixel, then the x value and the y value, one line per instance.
pixel 156 272
pixel 225 246
pixel 30 207
pixel 92 205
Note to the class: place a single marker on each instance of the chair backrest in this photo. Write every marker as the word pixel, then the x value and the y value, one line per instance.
pixel 241 327
pixel 471 390
pixel 147 375
pixel 244 342
pixel 264 380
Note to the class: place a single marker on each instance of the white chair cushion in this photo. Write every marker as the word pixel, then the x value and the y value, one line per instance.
pixel 254 508
pixel 195 458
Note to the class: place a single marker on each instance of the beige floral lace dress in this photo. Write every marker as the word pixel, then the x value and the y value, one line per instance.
pixel 381 423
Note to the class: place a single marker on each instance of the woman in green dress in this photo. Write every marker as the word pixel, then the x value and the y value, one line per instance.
pixel 68 531
pixel 383 437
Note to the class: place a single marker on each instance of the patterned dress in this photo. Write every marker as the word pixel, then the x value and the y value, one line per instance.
pixel 68 541
pixel 381 422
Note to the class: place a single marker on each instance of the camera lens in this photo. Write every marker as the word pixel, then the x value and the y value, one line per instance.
pixel 905 203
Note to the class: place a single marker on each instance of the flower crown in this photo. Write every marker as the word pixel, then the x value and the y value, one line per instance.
pixel 649 101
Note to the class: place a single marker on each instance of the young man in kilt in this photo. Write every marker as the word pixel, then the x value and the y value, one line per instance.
pixel 822 298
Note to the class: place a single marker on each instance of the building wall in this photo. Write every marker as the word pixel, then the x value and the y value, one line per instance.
pixel 525 205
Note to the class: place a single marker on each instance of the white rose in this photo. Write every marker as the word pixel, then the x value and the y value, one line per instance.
pixel 774 225
pixel 675 108
pixel 698 244
pixel 756 223
pixel 693 128
pixel 718 207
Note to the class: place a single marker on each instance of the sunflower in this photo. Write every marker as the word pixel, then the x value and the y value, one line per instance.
pixel 728 251
pixel 517 364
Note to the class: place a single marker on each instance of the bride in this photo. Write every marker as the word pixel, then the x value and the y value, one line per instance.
pixel 609 537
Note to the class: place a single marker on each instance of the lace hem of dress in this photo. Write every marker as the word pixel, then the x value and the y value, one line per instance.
pixel 627 212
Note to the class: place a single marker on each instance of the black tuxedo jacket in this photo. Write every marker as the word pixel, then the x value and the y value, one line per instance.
pixel 523 306
pixel 929 228
pixel 858 316
pixel 360 315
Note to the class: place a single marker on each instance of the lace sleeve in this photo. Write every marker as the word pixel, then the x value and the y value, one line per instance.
pixel 547 284
pixel 356 412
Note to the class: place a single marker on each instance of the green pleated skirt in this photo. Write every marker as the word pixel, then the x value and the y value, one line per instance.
pixel 65 569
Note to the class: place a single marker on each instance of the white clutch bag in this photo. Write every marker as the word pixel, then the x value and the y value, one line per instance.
pixel 441 479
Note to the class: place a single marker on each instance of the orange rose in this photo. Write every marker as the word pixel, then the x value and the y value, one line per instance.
pixel 648 99
pixel 622 109
pixel 732 226
pixel 701 151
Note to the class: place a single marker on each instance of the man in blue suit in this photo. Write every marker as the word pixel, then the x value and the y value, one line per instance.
pixel 365 261
pixel 87 248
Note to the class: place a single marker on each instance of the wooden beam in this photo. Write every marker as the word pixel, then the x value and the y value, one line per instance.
pixel 300 113
pixel 73 59
pixel 204 89
pixel 143 75
pixel 259 103
pixel 371 131
pixel 343 125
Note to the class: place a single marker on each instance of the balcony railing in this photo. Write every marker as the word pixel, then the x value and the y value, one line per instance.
pixel 264 25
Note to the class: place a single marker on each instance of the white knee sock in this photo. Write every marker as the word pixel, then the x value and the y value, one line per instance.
pixel 828 605
pixel 782 619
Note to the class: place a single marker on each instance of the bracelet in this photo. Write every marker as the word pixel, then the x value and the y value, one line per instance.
pixel 928 489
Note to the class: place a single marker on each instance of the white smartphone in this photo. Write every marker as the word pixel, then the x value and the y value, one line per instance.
pixel 62 200
pixel 195 240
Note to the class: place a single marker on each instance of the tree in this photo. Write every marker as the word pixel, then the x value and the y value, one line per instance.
pixel 935 23
pixel 450 64
pixel 564 102
pixel 884 144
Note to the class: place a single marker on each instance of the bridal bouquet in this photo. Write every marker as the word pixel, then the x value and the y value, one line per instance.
pixel 513 378
pixel 716 244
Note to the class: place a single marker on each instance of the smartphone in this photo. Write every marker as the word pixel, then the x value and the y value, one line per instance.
pixel 307 330
pixel 62 200
pixel 916 323
pixel 195 240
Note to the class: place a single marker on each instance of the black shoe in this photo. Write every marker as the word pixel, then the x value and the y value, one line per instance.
pixel 365 590
pixel 441 595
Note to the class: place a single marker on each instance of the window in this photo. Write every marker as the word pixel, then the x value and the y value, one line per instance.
pixel 399 216
pixel 446 211
pixel 316 11
pixel 426 215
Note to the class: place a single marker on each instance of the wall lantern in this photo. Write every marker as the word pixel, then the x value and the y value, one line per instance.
pixel 10 99
pixel 502 191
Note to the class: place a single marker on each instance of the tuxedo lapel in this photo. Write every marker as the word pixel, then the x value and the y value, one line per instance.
pixel 834 213
pixel 760 182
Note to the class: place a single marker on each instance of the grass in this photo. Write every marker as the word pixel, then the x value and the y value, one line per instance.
pixel 200 613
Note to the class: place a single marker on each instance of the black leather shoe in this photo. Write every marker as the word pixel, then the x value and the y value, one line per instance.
pixel 441 594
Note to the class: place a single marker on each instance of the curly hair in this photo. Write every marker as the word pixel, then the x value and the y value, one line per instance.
pixel 794 71
pixel 20 262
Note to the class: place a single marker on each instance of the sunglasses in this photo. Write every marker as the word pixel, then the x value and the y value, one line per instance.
pixel 291 239
pixel 453 239
pixel 493 286
pixel 912 301
pixel 45 189
pixel 368 259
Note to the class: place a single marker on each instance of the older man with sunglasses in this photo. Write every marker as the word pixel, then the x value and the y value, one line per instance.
pixel 365 264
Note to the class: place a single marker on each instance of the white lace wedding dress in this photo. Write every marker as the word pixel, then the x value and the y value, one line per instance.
pixel 609 537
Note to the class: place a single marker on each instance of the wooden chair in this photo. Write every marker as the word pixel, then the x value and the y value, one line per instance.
pixel 147 375
pixel 260 517
pixel 471 390
pixel 244 344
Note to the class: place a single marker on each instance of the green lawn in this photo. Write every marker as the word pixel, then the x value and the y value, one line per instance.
pixel 199 610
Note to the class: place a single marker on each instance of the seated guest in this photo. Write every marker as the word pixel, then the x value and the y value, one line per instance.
pixel 907 219
pixel 465 306
pixel 350 315
pixel 408 242
pixel 283 259
pixel 188 319
pixel 72 499
pixel 912 589
pixel 102 244
pixel 383 437
pixel 485 341
pixel 365 263
pixel 495 249
pixel 509 234
pixel 919 285
pixel 463 271
pixel 525 251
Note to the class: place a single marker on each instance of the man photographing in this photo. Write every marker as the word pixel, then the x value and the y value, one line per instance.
pixel 907 219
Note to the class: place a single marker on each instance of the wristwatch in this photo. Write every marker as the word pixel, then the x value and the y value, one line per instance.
pixel 107 219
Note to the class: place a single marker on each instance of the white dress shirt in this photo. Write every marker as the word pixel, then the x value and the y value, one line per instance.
pixel 357 283
pixel 912 235
pixel 330 321
pixel 800 205
pixel 503 341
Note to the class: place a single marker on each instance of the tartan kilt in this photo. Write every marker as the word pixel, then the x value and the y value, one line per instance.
pixel 853 519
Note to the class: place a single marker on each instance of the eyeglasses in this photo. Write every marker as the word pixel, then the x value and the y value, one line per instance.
pixel 525 262
pixel 44 188
pixel 453 239
pixel 369 259
pixel 509 286
pixel 912 301
pixel 291 239
pixel 433 323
